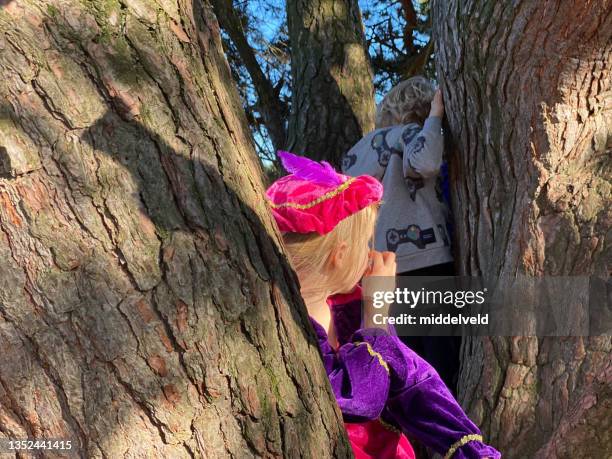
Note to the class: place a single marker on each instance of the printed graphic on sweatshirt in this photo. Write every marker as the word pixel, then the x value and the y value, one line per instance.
pixel 418 145
pixel 382 148
pixel 409 133
pixel 414 185
pixel 413 234
pixel 348 161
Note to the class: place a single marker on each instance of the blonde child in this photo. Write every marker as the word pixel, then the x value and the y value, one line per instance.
pixel 383 388
pixel 405 152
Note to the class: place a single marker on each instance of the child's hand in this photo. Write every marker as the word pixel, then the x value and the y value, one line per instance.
pixel 381 264
pixel 437 105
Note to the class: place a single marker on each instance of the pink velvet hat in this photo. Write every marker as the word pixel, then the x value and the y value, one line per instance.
pixel 315 198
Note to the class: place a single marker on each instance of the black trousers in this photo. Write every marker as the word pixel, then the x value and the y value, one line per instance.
pixel 442 352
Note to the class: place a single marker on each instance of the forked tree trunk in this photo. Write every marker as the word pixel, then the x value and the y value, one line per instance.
pixel 332 103
pixel 146 308
pixel 527 93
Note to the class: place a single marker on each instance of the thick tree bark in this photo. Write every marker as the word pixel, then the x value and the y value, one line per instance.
pixel 146 308
pixel 527 93
pixel 333 95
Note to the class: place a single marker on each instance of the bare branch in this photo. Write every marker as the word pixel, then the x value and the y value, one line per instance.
pixel 269 104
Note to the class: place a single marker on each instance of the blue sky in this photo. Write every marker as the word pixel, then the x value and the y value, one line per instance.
pixel 268 22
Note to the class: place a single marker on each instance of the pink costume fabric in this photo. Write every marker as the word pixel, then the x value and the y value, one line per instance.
pixel 373 440
pixel 311 200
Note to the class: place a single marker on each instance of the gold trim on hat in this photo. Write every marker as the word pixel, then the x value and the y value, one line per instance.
pixel 319 200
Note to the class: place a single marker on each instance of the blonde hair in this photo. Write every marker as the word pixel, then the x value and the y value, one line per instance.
pixel 309 253
pixel 407 102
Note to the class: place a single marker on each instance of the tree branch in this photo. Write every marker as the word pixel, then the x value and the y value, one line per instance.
pixel 416 65
pixel 268 104
pixel 411 24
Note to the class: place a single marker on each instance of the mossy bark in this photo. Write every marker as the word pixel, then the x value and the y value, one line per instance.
pixel 527 93
pixel 146 307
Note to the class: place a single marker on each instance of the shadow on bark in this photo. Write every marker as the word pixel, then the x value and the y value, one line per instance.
pixel 150 305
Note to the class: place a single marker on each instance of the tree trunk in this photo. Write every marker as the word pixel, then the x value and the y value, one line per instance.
pixel 332 103
pixel 525 86
pixel 146 308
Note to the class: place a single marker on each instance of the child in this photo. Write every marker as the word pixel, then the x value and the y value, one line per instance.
pixel 405 153
pixel 382 387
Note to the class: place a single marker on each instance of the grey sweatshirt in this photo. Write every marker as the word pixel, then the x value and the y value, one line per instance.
pixel 412 218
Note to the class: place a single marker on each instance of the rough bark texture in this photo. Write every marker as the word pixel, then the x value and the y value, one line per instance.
pixel 333 95
pixel 527 93
pixel 146 309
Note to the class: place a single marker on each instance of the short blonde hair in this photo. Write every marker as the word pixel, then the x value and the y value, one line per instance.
pixel 407 102
pixel 309 253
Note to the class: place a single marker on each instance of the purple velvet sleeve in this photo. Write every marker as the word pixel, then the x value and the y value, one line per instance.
pixel 358 375
pixel 377 374
pixel 422 406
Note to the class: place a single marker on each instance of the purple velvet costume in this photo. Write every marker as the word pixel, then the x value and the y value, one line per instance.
pixel 374 375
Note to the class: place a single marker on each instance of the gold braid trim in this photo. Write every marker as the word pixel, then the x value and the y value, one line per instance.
pixel 319 200
pixel 373 353
pixel 461 442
